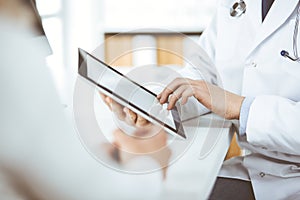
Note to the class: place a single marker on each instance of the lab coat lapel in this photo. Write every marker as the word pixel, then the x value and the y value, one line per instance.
pixel 280 11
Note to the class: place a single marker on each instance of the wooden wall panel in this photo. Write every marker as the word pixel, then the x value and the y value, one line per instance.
pixel 118 50
pixel 170 50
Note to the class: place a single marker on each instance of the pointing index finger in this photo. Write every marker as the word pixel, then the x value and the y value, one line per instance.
pixel 164 95
pixel 170 88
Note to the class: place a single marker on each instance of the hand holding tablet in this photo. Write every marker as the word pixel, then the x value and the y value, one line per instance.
pixel 137 102
pixel 124 113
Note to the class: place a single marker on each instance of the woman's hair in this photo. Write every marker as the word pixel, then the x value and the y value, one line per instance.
pixel 24 12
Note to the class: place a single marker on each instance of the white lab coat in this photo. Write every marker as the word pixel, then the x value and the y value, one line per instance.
pixel 246 53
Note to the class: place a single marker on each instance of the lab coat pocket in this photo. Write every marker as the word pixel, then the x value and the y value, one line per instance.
pixel 289 69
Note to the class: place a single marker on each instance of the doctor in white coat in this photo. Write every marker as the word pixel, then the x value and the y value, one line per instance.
pixel 261 88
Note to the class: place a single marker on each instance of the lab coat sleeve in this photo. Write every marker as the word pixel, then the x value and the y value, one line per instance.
pixel 273 123
pixel 200 65
pixel 244 112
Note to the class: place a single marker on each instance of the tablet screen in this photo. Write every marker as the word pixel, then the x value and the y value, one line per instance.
pixel 128 92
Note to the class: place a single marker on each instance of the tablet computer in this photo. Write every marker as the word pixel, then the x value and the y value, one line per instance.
pixel 129 93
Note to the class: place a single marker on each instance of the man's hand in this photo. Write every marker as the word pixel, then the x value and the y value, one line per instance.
pixel 124 113
pixel 219 101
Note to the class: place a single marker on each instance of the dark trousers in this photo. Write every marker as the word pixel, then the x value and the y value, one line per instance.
pixel 232 189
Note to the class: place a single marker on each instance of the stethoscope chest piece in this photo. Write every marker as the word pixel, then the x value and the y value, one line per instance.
pixel 238 9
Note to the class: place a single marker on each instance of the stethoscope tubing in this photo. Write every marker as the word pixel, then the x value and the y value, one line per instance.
pixel 239 8
pixel 295 36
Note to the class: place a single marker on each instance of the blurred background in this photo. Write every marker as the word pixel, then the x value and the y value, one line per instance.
pixel 70 24
pixel 97 24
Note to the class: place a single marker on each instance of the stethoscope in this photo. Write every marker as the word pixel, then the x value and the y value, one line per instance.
pixel 239 8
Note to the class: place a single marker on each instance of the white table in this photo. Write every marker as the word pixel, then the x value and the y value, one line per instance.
pixel 194 172
pixel 193 176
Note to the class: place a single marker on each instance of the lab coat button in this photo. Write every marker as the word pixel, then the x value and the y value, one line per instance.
pixel 251 64
pixel 261 174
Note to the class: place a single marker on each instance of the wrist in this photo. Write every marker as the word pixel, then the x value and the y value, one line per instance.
pixel 235 107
